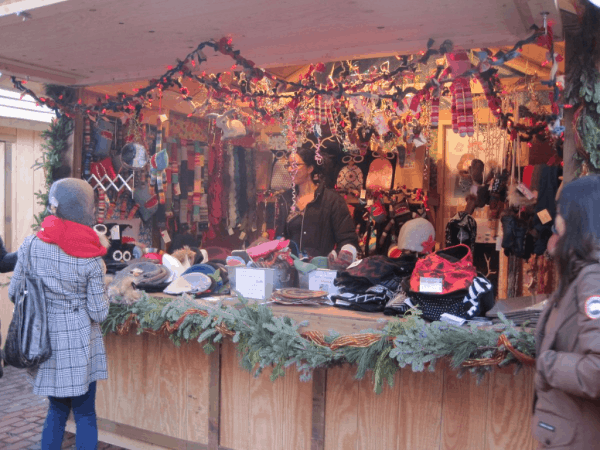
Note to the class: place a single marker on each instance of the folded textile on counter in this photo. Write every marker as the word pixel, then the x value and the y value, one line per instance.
pixel 302 297
pixel 519 310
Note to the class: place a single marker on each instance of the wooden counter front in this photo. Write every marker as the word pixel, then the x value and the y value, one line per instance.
pixel 162 396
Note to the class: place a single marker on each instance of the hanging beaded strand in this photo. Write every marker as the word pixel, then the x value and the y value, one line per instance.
pixel 291 142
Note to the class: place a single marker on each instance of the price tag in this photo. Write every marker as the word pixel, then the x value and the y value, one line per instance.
pixel 230 231
pixel 363 194
pixel 544 216
pixel 452 319
pixel 163 117
pixel 254 228
pixel 165 236
pixel 525 191
pixel 242 236
pixel 115 233
pixel 431 285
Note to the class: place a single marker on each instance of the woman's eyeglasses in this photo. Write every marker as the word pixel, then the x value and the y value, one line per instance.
pixel 292 166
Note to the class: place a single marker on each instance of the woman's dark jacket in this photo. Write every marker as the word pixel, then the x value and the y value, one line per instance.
pixel 326 224
pixel 7 260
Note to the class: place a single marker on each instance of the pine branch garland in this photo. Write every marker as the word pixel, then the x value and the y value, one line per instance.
pixel 264 340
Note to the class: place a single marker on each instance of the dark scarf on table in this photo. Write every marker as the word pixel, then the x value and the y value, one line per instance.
pixel 73 238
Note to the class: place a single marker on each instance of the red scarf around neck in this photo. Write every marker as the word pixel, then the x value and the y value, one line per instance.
pixel 73 238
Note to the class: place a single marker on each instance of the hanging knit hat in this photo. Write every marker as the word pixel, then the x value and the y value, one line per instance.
pixel 417 235
pixel 72 199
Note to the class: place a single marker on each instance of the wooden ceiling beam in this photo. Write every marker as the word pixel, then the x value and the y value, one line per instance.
pixel 9 67
pixel 8 7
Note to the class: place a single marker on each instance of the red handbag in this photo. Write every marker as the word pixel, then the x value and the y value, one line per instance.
pixel 445 271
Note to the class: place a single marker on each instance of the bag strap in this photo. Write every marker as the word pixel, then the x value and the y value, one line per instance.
pixel 28 269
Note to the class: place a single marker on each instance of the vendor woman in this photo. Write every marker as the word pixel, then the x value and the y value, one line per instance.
pixel 317 219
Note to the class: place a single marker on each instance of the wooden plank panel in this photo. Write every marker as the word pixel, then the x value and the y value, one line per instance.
pixel 378 415
pixel 509 409
pixel 214 398
pixel 106 389
pixel 148 379
pixel 122 407
pixel 464 411
pixel 172 392
pixel 421 391
pixel 296 418
pixel 197 393
pixel 266 404
pixel 235 400
pixel 136 380
pixel 39 179
pixel 319 389
pixel 341 410
pixel 3 179
pixel 22 186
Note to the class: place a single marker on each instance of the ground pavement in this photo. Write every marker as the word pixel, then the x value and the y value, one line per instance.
pixel 22 415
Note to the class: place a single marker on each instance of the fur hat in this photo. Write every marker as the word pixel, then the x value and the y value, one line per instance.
pixel 72 199
pixel 417 235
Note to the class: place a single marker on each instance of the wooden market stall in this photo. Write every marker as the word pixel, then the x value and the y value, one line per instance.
pixel 162 396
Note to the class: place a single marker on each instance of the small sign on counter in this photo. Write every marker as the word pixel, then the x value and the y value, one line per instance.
pixel 319 280
pixel 252 283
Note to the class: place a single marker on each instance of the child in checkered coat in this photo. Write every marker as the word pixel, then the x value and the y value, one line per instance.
pixel 67 255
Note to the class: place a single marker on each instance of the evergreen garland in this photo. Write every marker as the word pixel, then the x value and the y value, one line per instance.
pixel 264 339
pixel 55 146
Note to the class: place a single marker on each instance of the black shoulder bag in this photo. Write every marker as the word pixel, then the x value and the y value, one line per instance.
pixel 28 338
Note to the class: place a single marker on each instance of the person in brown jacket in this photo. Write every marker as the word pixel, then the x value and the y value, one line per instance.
pixel 567 381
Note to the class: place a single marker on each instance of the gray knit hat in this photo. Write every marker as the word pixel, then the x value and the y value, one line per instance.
pixel 414 233
pixel 72 199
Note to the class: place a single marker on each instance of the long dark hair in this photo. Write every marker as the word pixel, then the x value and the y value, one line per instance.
pixel 579 206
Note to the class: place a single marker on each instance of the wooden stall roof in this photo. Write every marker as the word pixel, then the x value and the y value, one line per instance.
pixel 91 42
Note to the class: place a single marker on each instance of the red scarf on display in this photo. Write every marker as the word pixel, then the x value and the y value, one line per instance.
pixel 73 238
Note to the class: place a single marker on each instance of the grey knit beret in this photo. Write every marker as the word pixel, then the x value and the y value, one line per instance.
pixel 73 199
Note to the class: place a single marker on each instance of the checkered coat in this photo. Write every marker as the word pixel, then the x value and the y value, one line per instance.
pixel 76 304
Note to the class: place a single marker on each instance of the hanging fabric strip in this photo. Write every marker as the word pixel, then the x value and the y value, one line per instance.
pixel 173 157
pixel 101 206
pixel 123 208
pixel 215 192
pixel 198 163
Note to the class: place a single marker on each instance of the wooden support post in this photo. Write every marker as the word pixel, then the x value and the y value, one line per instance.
pixel 214 398
pixel 317 441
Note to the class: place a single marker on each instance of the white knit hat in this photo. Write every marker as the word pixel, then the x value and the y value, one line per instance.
pixel 414 233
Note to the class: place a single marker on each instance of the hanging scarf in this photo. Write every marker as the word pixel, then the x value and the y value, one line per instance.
pixel 73 238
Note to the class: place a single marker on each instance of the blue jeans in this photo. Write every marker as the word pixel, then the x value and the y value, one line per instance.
pixel 84 410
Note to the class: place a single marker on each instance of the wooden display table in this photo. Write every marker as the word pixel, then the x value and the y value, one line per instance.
pixel 162 396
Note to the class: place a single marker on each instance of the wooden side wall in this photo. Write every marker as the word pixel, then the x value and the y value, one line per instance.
pixel 163 389
pixel 19 149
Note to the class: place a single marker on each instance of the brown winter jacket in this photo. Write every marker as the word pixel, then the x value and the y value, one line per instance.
pixel 567 382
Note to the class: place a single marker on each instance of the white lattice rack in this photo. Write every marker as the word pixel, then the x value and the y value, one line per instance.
pixel 112 183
